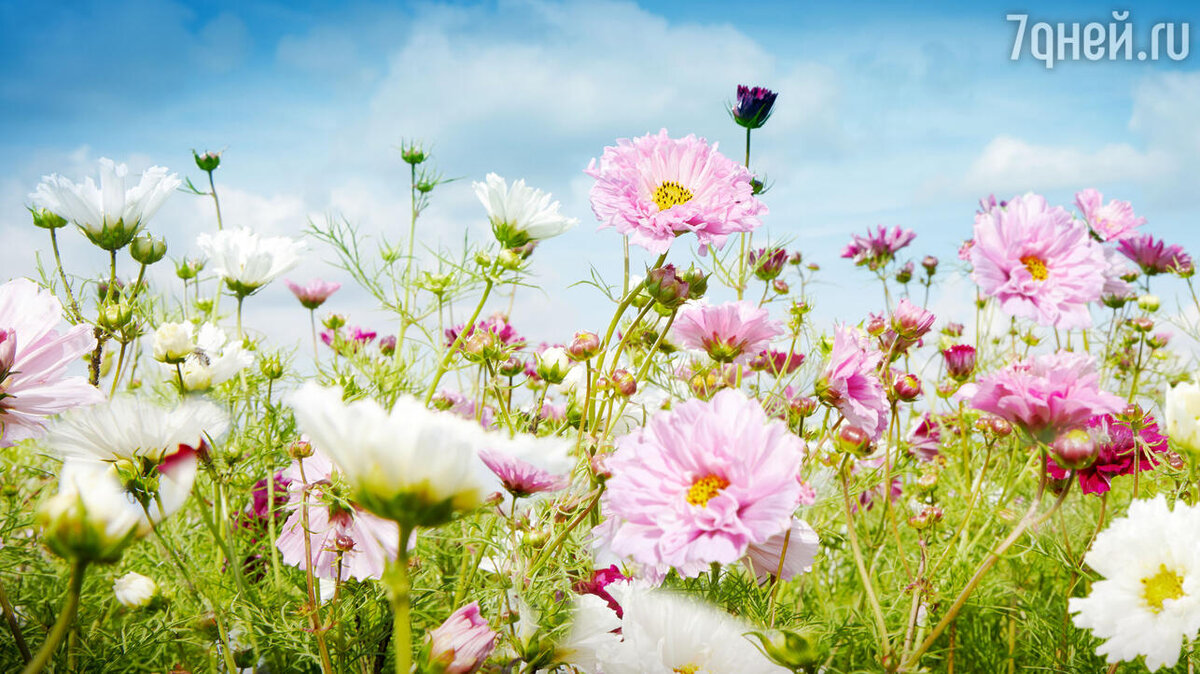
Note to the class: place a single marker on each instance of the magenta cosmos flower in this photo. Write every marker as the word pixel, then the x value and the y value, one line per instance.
pixel 851 382
pixel 1153 255
pixel 654 188
pixel 1046 394
pixel 34 358
pixel 1112 221
pixel 314 293
pixel 700 484
pixel 1038 262
pixel 730 333
pixel 1118 452
pixel 877 248
pixel 336 526
pixel 462 643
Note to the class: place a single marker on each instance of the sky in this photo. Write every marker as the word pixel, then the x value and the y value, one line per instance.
pixel 886 115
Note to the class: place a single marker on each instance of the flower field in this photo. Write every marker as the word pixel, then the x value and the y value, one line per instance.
pixel 706 479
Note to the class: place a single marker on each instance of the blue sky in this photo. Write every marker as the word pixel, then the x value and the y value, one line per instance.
pixel 886 114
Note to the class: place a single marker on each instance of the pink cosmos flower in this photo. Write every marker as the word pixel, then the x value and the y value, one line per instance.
pixel 729 333
pixel 654 188
pixel 314 293
pixel 1118 452
pixel 960 362
pixel 520 477
pixel 34 358
pixel 335 524
pixel 600 580
pixel 1038 262
pixel 497 325
pixel 1153 255
pixel 464 407
pixel 851 382
pixel 1112 221
pixel 911 322
pixel 802 546
pixel 462 643
pixel 924 440
pixel 1046 394
pixel 877 248
pixel 777 363
pixel 701 483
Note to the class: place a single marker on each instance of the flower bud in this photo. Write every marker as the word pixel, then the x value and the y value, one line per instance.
pixel 697 282
pixel 387 345
pixel 802 407
pixel 907 388
pixel 1114 301
pixel 780 286
pixel 1148 303
pixel 928 516
pixel 905 273
pixel 47 220
pixel 876 326
pixel 115 316
pixel 90 519
pixel 333 321
pixel 664 286
pixel 1074 450
pixel 753 107
pixel 623 382
pixel 207 162
pixel 767 263
pixel 133 590
pixel 511 367
pixel 300 449
pixel 271 367
pixel 930 263
pixel 147 250
pixel 187 269
pixel 462 643
pixel 1141 324
pixel 960 362
pixel 553 365
pixel 1000 427
pixel 853 440
pixel 584 346
pixel 952 329
pixel 413 154
pixel 795 651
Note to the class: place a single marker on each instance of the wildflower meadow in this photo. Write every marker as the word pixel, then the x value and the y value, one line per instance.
pixel 705 479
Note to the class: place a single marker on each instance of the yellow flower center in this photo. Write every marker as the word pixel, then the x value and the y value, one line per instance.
pixel 687 669
pixel 1164 585
pixel 1036 266
pixel 671 194
pixel 702 491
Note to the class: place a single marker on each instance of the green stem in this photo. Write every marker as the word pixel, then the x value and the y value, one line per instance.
pixel 65 618
pixel 11 618
pixel 400 585
pixel 76 315
pixel 437 377
pixel 216 202
pixel 240 298
pixel 872 599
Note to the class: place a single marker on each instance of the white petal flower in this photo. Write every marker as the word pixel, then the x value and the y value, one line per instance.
pixel 662 633
pixel 131 428
pixel 1182 415
pixel 802 546
pixel 247 261
pixel 133 590
pixel 411 465
pixel 92 517
pixel 519 213
pixel 591 634
pixel 110 215
pixel 214 361
pixel 1149 601
pixel 173 342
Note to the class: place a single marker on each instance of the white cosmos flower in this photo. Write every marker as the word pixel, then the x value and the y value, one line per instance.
pixel 592 633
pixel 173 342
pixel 214 361
pixel 92 517
pixel 130 428
pixel 133 590
pixel 1149 601
pixel 247 261
pixel 661 633
pixel 1182 415
pixel 519 213
pixel 411 465
pixel 112 214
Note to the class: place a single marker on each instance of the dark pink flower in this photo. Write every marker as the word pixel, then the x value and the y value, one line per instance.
pixel 960 362
pixel 1118 452
pixel 879 247
pixel 601 579
pixel 497 325
pixel 1154 256
pixel 777 363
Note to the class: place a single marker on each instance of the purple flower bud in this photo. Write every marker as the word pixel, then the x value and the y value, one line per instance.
pixel 754 106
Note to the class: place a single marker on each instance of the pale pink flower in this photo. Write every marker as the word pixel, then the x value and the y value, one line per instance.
pixel 924 440
pixel 700 484
pixel 462 643
pixel 654 188
pixel 1038 262
pixel 527 464
pixel 851 382
pixel 1112 221
pixel 335 524
pixel 314 293
pixel 1046 394
pixel 730 333
pixel 802 546
pixel 34 358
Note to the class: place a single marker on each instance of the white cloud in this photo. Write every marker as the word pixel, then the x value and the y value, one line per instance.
pixel 1010 165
